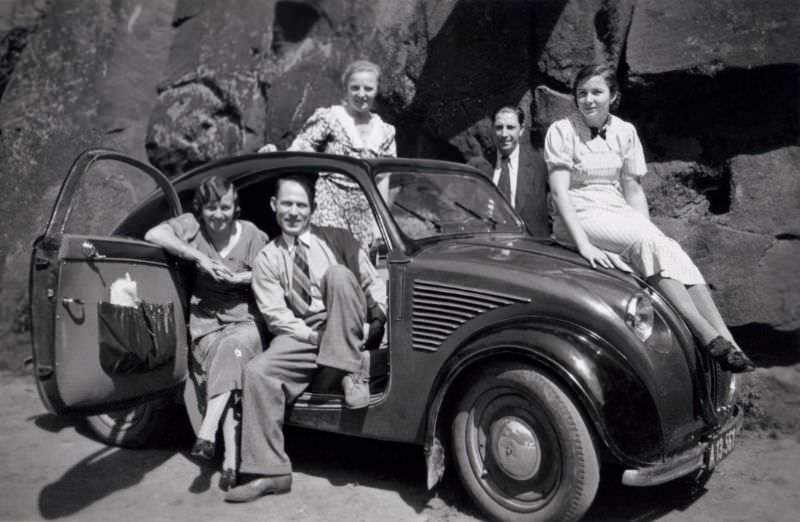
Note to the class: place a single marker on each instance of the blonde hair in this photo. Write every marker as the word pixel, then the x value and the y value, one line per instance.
pixel 358 66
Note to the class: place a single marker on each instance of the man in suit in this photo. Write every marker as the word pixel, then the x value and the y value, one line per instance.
pixel 517 169
pixel 323 300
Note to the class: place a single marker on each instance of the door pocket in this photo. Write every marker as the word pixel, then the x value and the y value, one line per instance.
pixel 135 339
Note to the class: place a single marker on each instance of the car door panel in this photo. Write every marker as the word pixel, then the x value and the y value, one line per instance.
pixel 83 284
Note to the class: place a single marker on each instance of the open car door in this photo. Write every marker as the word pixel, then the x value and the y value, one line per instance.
pixel 108 313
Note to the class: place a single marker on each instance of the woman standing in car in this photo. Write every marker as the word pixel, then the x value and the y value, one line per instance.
pixel 348 129
pixel 224 322
pixel 595 163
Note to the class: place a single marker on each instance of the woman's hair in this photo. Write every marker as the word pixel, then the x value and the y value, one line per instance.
pixel 604 71
pixel 358 66
pixel 210 190
pixel 512 109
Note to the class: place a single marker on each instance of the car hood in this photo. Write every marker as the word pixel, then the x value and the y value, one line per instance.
pixel 505 258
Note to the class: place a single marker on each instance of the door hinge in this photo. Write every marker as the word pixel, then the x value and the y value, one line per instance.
pixel 51 294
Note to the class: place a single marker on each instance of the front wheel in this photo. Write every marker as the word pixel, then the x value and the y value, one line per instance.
pixel 129 427
pixel 522 448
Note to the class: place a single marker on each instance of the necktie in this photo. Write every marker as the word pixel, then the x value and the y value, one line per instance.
pixel 598 132
pixel 504 183
pixel 301 282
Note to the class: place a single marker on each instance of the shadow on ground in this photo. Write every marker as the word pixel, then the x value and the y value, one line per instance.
pixel 398 467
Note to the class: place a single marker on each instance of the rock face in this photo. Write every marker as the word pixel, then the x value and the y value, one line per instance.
pixel 713 88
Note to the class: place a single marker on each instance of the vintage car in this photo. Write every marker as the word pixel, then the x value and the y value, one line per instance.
pixel 507 354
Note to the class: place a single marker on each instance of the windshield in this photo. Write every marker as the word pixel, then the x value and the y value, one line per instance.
pixel 427 204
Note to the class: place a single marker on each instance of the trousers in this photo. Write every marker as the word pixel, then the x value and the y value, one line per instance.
pixel 280 374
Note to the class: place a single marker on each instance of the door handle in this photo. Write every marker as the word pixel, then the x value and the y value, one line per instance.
pixel 90 251
pixel 72 300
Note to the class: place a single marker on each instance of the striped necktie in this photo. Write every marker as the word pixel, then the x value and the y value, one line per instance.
pixel 301 282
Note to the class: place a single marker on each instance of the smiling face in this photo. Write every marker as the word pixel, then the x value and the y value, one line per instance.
pixel 594 98
pixel 361 89
pixel 218 215
pixel 292 207
pixel 507 130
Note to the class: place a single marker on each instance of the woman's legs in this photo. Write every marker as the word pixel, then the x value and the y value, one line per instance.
pixel 680 298
pixel 215 408
pixel 708 309
pixel 229 436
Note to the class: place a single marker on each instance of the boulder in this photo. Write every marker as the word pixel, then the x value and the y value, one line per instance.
pixel 550 105
pixel 682 189
pixel 766 192
pixel 586 31
pixel 750 274
pixel 708 37
pixel 85 79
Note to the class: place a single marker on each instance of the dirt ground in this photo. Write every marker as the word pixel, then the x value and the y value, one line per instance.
pixel 53 469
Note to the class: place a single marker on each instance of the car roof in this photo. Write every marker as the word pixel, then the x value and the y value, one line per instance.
pixel 235 166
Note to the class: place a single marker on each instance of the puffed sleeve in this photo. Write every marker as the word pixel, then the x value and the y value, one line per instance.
pixel 315 133
pixel 185 226
pixel 388 145
pixel 558 145
pixel 633 162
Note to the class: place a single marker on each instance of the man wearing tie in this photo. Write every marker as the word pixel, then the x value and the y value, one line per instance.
pixel 323 300
pixel 517 169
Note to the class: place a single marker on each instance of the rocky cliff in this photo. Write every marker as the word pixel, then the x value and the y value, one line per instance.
pixel 712 85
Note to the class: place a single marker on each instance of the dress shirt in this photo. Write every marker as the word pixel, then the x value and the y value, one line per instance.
pixel 513 168
pixel 272 280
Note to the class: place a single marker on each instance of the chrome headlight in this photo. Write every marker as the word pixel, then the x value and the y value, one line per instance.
pixel 639 316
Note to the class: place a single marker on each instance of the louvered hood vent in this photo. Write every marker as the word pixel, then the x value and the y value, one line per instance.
pixel 441 308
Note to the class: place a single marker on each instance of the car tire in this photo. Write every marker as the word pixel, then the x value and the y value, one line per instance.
pixel 130 427
pixel 522 448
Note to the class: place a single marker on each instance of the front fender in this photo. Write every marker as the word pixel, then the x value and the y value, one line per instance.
pixel 606 389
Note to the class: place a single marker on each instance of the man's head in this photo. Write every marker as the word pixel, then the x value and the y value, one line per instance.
pixel 292 203
pixel 507 122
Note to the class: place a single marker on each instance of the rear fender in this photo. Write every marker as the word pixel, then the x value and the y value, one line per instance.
pixel 606 389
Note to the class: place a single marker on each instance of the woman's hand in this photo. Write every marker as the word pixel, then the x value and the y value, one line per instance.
pixel 214 268
pixel 269 147
pixel 595 256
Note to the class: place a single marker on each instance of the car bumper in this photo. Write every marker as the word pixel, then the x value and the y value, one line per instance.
pixel 686 462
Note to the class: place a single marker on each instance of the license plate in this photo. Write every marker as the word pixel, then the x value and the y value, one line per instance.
pixel 720 446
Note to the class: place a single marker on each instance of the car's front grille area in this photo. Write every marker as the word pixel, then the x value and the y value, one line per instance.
pixel 438 309
pixel 718 386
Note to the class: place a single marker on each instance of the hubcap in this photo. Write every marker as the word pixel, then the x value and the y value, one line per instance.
pixel 515 447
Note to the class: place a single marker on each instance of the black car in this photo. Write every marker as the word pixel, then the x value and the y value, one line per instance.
pixel 508 353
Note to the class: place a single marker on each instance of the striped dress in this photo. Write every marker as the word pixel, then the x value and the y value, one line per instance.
pixel 596 167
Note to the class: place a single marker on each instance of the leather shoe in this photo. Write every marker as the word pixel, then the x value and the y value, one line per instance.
pixel 203 448
pixel 356 391
pixel 736 361
pixel 259 487
pixel 227 479
pixel 730 358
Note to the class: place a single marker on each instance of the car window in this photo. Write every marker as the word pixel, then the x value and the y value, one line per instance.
pixel 428 204
pixel 108 191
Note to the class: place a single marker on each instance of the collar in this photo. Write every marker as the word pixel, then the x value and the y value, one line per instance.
pixel 373 140
pixel 512 158
pixel 586 133
pixel 304 238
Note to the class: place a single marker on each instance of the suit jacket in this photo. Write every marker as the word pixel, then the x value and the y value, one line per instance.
pixel 530 200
